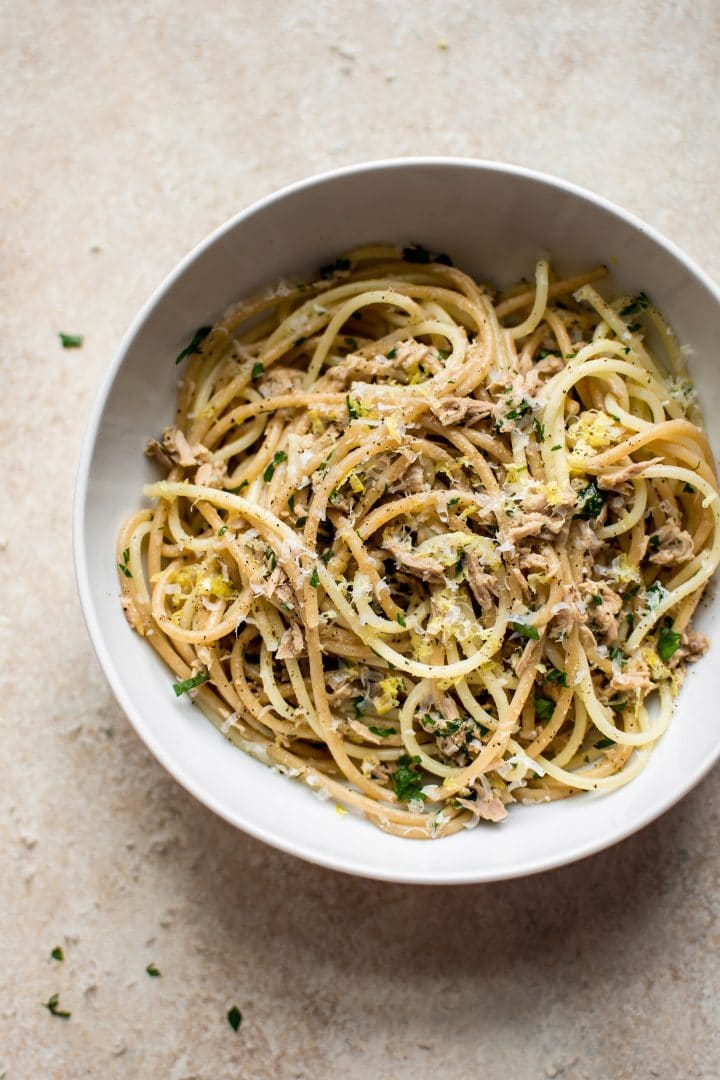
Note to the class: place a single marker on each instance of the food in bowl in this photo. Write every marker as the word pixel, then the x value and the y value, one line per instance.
pixel 432 547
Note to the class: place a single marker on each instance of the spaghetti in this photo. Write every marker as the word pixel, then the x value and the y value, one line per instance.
pixel 431 548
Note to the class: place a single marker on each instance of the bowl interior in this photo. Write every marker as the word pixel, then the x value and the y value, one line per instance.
pixel 493 221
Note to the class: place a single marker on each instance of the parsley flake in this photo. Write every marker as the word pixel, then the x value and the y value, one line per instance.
pixel 58 954
pixel 70 341
pixel 639 303
pixel 258 370
pixel 406 781
pixel 198 337
pixel 314 579
pixel 153 971
pixel 668 643
pixel 603 744
pixel 525 630
pixel 234 1017
pixel 53 1008
pixel 400 618
pixel 592 501
pixel 382 732
pixel 184 685
pixel 544 708
pixel 556 676
pixel 280 456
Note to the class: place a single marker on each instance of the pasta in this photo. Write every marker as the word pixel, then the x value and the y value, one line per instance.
pixel 431 547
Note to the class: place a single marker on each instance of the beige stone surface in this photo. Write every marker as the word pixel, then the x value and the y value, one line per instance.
pixel 131 130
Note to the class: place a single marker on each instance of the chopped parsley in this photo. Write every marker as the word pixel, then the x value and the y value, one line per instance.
pixel 603 744
pixel 198 337
pixel 270 557
pixel 400 618
pixel 639 303
pixel 339 264
pixel 184 685
pixel 234 1017
pixel 688 489
pixel 519 410
pixel 258 370
pixel 280 456
pixel 359 705
pixel 416 253
pixel 615 652
pixel 592 501
pixel 634 327
pixel 52 1006
pixel 382 732
pixel 539 429
pixel 596 601
pixel 524 630
pixel 618 704
pixel 291 503
pixel 555 675
pixel 668 643
pixel 444 353
pixel 353 408
pixel 153 971
pixel 544 708
pixel 314 579
pixel 453 502
pixel 407 782
pixel 238 489
pixel 70 341
pixel 392 354
pixel 654 542
pixel 542 353
pixel 124 564
pixel 58 954
pixel 222 531
pixel 556 447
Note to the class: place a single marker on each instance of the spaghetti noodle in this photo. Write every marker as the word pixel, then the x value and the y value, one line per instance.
pixel 431 548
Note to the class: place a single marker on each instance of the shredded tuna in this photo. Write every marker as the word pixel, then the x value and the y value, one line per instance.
pixel 454 410
pixel 674 545
pixel 485 806
pixel 614 479
pixel 535 524
pixel 424 566
pixel 479 580
pixel 177 448
pixel 692 646
pixel 291 644
pixel 602 615
pixel 634 677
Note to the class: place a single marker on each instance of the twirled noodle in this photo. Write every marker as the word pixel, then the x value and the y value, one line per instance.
pixel 431 548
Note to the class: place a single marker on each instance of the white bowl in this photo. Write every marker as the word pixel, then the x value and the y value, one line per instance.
pixel 493 220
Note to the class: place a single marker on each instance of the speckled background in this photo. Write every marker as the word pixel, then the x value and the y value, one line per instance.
pixel 131 130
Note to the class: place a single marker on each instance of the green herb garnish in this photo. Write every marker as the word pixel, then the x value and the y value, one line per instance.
pixel 618 704
pixel 339 264
pixel 525 630
pixel 238 489
pixel 640 302
pixel 234 1018
pixel 153 971
pixel 603 744
pixel 407 782
pixel 416 253
pixel 688 489
pixel 444 353
pixel 221 532
pixel 453 502
pixel 544 708
pixel 184 685
pixel 58 954
pixel 668 643
pixel 592 501
pixel 280 456
pixel 359 705
pixel 124 564
pixel 314 579
pixel 353 408
pixel 392 354
pixel 70 341
pixel 400 618
pixel 52 1007
pixel 557 676
pixel 596 601
pixel 382 732
pixel 556 447
pixel 539 429
pixel 258 370
pixel 198 337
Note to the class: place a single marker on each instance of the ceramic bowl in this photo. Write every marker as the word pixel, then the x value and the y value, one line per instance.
pixel 494 220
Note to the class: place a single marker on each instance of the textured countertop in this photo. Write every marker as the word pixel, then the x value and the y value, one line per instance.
pixel 130 132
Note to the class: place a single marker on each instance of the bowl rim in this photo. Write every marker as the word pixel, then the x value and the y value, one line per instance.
pixel 350 865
